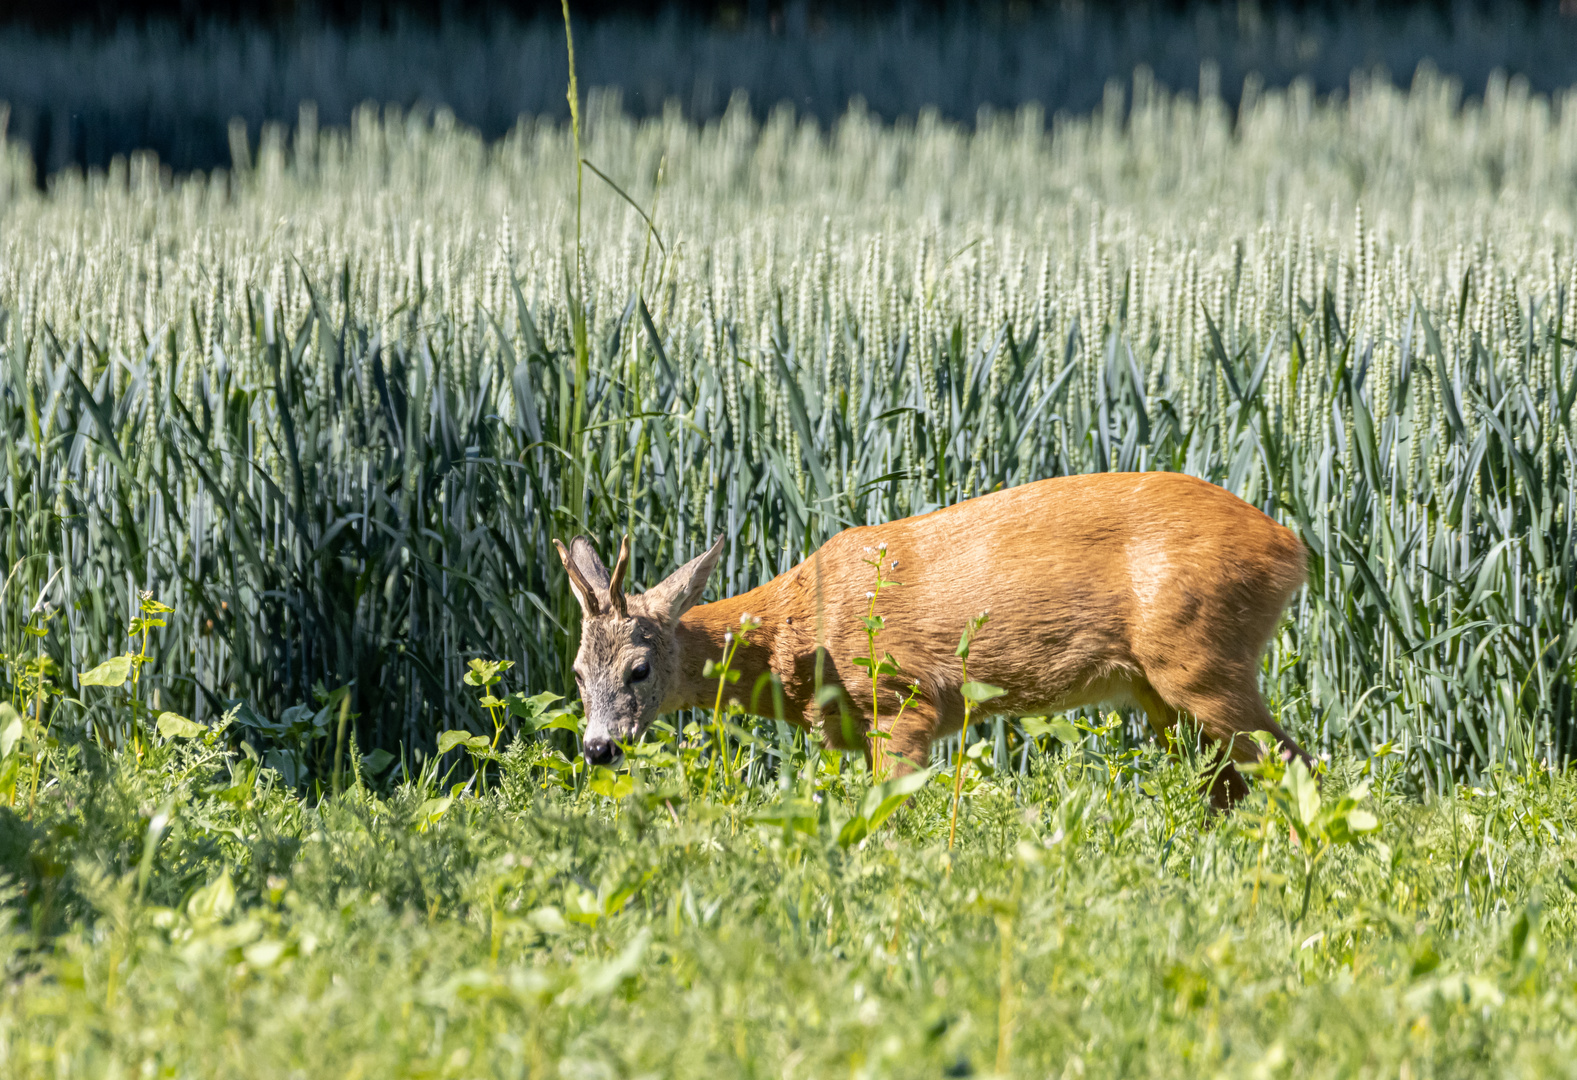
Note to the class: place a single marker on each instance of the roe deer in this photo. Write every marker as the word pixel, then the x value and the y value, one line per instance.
pixel 1153 589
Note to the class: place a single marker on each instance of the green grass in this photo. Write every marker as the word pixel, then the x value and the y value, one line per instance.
pixel 538 932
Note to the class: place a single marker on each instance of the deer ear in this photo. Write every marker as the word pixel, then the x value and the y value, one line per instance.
pixel 584 556
pixel 588 578
pixel 681 590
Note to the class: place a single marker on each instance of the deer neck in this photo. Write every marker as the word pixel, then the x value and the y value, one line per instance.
pixel 701 636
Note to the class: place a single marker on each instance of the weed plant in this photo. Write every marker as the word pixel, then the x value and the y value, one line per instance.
pixel 191 915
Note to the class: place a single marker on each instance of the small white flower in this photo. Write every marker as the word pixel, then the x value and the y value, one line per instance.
pixel 744 619
pixel 728 637
pixel 870 596
pixel 882 546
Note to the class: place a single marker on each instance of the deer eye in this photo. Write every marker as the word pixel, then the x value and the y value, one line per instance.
pixel 640 671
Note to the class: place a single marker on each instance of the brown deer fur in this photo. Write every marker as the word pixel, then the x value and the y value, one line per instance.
pixel 1153 589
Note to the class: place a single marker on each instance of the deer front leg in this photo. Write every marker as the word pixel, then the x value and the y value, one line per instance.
pixel 841 724
pixel 909 748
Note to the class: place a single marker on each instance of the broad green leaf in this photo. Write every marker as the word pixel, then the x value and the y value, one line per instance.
pixel 1362 821
pixel 431 811
pixel 529 710
pixel 486 672
pixel 882 800
pixel 214 900
pixel 1060 729
pixel 563 720
pixel 854 830
pixel 1287 807
pixel 980 750
pixel 979 692
pixel 112 672
pixel 448 740
pixel 548 919
pixel 175 726
pixel 374 763
pixel 10 729
pixel 581 906
pixel 611 785
pixel 263 954
pixel 1299 783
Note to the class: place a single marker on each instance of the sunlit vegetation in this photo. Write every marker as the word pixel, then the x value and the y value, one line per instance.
pixel 308 427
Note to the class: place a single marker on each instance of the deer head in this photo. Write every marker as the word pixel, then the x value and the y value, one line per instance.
pixel 628 662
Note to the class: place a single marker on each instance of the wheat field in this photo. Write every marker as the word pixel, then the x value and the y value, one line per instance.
pixel 332 404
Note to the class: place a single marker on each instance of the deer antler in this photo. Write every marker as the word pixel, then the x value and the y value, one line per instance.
pixel 616 580
pixel 583 589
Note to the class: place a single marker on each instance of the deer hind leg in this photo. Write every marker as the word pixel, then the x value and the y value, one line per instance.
pixel 1228 785
pixel 909 748
pixel 1229 713
pixel 1236 715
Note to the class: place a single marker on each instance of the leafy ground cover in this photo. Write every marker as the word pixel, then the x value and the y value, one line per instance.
pixel 188 916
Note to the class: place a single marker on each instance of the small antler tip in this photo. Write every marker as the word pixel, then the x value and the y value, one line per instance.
pixel 616 579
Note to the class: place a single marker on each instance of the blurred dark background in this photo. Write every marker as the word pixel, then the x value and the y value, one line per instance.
pixel 84 80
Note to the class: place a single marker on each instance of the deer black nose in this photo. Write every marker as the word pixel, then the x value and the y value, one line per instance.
pixel 600 750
